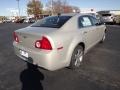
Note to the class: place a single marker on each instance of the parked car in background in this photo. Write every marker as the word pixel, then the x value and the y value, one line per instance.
pixel 108 18
pixel 13 20
pixel 26 21
pixel 19 21
pixel 117 19
pixel 59 41
pixel 30 20
pixel 7 21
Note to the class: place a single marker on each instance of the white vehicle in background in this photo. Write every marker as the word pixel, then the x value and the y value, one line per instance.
pixel 7 21
pixel 26 21
pixel 13 20
pixel 30 20
pixel 108 18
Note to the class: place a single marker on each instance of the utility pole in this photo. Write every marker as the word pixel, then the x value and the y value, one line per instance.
pixel 18 8
pixel 52 7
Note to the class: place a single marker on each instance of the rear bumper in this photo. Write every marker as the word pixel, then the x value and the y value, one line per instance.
pixel 50 60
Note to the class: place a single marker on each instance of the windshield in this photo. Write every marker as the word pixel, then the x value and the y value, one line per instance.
pixel 52 21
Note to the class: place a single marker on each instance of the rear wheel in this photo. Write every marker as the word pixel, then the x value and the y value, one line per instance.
pixel 77 57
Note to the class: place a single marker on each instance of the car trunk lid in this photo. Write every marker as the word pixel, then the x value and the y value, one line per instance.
pixel 28 36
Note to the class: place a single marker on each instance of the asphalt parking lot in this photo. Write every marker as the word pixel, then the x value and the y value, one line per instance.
pixel 99 71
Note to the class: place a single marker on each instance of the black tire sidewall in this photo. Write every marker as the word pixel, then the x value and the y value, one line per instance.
pixel 103 39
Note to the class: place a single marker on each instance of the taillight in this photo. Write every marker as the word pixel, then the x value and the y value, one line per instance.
pixel 44 43
pixel 16 39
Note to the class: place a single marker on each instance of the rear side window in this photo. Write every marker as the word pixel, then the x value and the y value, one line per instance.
pixel 84 21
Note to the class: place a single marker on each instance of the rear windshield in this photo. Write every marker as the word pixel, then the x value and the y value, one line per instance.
pixel 106 14
pixel 52 21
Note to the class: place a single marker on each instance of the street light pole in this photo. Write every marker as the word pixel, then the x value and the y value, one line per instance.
pixel 52 7
pixel 18 8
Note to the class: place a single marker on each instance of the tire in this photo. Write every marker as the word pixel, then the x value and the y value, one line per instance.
pixel 77 57
pixel 103 38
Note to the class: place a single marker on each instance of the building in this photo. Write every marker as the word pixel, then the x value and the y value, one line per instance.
pixel 88 10
pixel 115 12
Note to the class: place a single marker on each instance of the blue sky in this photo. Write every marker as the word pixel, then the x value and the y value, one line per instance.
pixel 6 5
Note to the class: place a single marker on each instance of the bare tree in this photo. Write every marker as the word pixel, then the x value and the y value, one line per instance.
pixel 34 7
pixel 56 6
pixel 60 6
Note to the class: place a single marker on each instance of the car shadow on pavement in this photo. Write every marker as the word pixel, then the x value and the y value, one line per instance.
pixel 31 78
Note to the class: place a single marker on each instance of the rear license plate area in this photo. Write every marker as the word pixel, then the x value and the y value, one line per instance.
pixel 23 53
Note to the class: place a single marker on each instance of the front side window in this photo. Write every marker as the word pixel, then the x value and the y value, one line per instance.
pixel 94 20
pixel 52 22
pixel 84 21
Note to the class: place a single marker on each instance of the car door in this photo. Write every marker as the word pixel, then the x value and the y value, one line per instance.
pixel 88 31
pixel 99 28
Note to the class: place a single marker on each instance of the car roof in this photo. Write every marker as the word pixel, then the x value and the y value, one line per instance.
pixel 74 14
pixel 69 14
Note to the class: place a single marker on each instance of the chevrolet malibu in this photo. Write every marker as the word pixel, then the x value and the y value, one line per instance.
pixel 59 41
